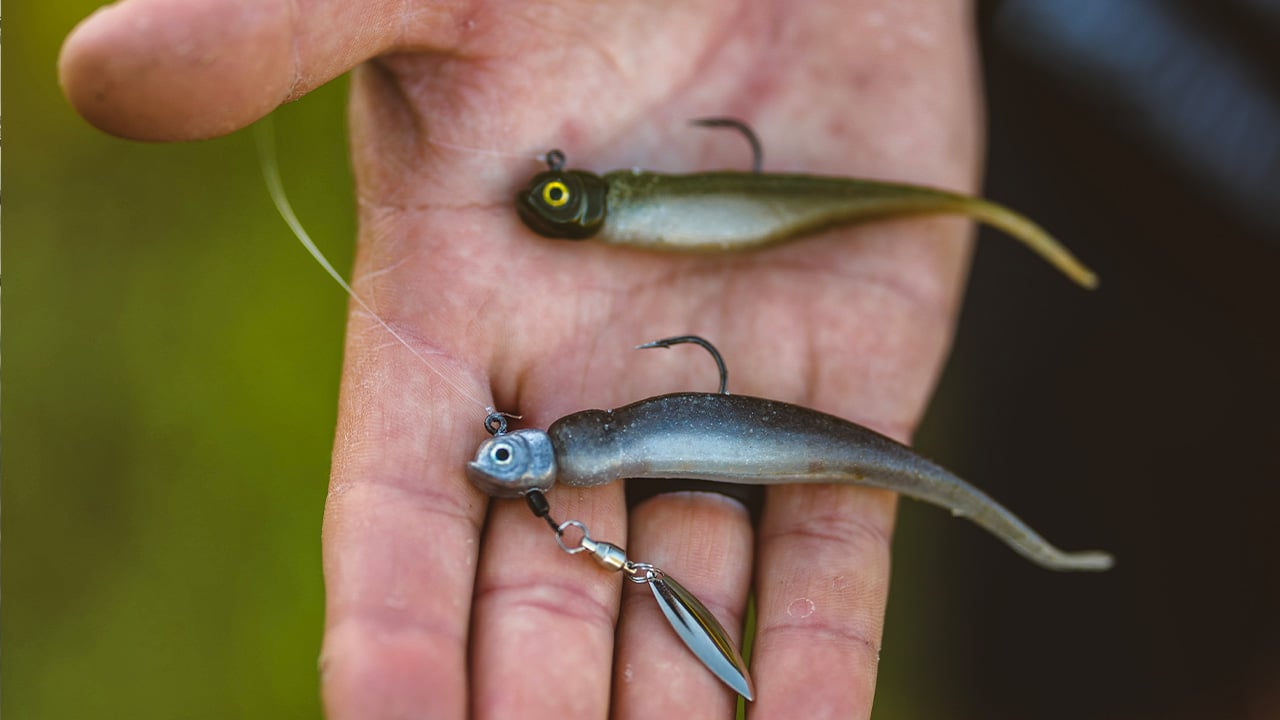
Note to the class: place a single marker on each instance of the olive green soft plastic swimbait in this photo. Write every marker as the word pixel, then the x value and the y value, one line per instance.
pixel 726 211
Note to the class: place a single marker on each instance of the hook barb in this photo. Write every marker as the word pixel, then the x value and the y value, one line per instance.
pixel 696 340
pixel 757 151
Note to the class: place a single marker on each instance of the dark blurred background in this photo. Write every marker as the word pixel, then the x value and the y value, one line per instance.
pixel 1141 418
pixel 172 356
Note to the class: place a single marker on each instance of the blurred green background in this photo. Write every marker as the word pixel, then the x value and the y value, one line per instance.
pixel 171 362
pixel 171 359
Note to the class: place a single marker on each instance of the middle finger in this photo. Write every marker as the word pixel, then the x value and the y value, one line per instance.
pixel 704 541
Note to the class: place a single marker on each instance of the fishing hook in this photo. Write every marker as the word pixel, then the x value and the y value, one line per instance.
pixel 696 340
pixel 757 151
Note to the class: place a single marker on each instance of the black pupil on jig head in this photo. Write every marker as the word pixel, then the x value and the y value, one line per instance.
pixel 502 454
pixel 555 193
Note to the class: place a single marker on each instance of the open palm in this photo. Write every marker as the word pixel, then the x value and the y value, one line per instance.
pixel 441 603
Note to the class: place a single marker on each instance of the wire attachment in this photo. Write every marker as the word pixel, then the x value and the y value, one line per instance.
pixel 693 623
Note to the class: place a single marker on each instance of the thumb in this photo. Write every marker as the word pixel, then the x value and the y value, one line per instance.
pixel 193 69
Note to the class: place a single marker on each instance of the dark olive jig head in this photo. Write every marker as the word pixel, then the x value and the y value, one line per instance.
pixel 559 203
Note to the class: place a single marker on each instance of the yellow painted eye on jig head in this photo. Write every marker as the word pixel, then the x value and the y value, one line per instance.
pixel 555 194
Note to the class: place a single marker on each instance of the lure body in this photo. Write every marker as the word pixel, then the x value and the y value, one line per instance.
pixel 743 439
pixel 727 211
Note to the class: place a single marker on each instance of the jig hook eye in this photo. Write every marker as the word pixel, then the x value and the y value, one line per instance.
pixel 496 422
pixel 555 160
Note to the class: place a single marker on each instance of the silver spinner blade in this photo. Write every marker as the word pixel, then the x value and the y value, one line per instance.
pixel 702 633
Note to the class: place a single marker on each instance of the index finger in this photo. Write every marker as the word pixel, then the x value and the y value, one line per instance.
pixel 401 534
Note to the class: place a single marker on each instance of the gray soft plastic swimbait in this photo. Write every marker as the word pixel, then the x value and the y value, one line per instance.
pixel 733 439
pixel 742 439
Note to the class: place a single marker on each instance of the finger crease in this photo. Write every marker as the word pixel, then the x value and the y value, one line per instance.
pixel 382 622
pixel 433 501
pixel 562 599
pixel 841 530
pixel 849 635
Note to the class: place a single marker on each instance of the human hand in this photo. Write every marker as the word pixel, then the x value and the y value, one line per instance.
pixel 441 603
